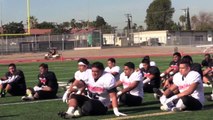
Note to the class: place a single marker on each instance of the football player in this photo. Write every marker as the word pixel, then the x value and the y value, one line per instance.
pixel 101 88
pixel 152 63
pixel 151 77
pixel 13 82
pixel 191 93
pixel 47 86
pixel 173 68
pixel 112 68
pixel 131 80
pixel 82 74
pixel 207 60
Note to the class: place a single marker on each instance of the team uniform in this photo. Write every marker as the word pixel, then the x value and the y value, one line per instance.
pixel 152 63
pixel 154 82
pixel 18 84
pixel 205 63
pixel 113 69
pixel 194 101
pixel 97 100
pixel 47 79
pixel 135 96
pixel 84 76
pixel 174 65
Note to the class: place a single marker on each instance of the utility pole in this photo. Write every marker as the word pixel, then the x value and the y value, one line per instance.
pixel 129 28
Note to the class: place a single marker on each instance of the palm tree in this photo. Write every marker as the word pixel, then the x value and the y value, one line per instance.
pixel 33 22
pixel 182 19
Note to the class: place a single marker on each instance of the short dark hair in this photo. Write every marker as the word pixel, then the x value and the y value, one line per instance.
pixel 177 54
pixel 207 54
pixel 146 58
pixel 186 62
pixel 188 58
pixel 98 65
pixel 112 60
pixel 83 60
pixel 146 61
pixel 130 65
pixel 12 65
pixel 43 65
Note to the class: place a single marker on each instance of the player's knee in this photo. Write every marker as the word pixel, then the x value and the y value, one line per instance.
pixel 87 108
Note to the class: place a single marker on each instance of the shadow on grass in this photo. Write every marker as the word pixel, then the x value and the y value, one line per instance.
pixel 209 106
pixel 7 116
pixel 150 103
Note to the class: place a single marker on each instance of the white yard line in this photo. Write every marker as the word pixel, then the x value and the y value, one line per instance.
pixel 139 116
pixel 29 102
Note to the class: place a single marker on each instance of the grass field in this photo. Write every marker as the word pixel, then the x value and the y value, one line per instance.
pixel 12 108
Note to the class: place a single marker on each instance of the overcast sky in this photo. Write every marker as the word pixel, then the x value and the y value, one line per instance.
pixel 113 11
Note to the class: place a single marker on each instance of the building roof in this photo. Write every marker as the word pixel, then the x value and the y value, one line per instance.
pixel 39 31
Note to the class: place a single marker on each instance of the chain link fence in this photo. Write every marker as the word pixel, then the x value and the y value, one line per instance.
pixel 43 43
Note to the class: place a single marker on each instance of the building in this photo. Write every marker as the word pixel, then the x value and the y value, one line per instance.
pixel 166 37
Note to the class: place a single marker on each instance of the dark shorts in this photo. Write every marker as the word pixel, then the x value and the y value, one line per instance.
pixel 89 106
pixel 46 94
pixel 149 88
pixel 17 89
pixel 191 103
pixel 130 100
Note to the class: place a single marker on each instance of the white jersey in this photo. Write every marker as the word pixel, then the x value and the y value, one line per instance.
pixel 184 83
pixel 135 76
pixel 152 63
pixel 100 89
pixel 84 76
pixel 113 69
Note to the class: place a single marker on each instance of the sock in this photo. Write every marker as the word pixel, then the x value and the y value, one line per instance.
pixel 70 110
pixel 180 104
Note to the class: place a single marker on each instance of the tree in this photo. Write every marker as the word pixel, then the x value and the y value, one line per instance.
pixel 159 15
pixel 73 23
pixel 100 22
pixel 202 21
pixel 188 22
pixel 33 22
pixel 46 25
pixel 13 28
pixel 182 19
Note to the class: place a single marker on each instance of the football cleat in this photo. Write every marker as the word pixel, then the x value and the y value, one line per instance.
pixel 27 98
pixel 176 109
pixel 65 115
pixel 165 108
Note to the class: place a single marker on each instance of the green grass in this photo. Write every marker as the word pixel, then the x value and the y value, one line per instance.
pixel 64 71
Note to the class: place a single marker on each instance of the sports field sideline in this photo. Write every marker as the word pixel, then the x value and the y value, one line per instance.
pixel 12 108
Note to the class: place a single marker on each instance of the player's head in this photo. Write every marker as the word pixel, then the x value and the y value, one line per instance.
pixel 83 64
pixel 111 62
pixel 146 64
pixel 184 67
pixel 97 70
pixel 207 56
pixel 146 57
pixel 129 68
pixel 43 68
pixel 12 68
pixel 176 56
pixel 188 58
